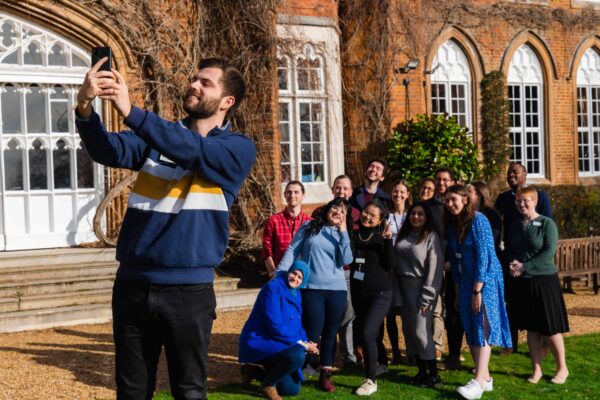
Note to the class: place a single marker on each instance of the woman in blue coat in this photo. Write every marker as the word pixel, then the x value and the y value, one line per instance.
pixel 477 276
pixel 274 337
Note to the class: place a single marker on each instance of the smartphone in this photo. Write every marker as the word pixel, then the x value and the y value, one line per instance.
pixel 99 53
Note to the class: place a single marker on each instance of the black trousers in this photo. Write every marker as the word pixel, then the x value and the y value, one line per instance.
pixel 371 310
pixel 147 317
pixel 454 328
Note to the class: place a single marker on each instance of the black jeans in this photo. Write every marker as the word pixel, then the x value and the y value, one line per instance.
pixel 147 317
pixel 371 310
pixel 454 328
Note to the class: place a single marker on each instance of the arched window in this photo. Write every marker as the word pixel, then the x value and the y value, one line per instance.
pixel 451 84
pixel 525 95
pixel 588 113
pixel 302 124
pixel 49 187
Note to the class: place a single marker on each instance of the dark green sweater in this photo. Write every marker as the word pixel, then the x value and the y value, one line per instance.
pixel 534 245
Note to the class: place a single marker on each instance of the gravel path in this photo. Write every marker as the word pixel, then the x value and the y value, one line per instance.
pixel 77 362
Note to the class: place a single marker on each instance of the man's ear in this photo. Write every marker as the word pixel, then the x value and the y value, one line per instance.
pixel 227 102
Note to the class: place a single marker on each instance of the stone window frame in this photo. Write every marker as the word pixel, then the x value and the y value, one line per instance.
pixel 470 49
pixel 321 33
pixel 47 77
pixel 525 83
pixel 447 76
pixel 588 120
pixel 550 75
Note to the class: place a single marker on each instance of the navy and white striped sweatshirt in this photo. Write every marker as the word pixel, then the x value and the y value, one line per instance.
pixel 176 227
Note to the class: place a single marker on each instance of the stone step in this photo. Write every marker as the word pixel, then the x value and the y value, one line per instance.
pixel 240 298
pixel 225 284
pixel 47 272
pixel 62 256
pixel 56 286
pixel 56 316
pixel 67 315
pixel 97 296
pixel 94 296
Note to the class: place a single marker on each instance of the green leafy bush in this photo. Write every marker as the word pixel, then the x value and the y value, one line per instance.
pixel 421 145
pixel 576 210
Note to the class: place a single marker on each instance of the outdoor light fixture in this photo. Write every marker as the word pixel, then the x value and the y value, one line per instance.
pixel 412 64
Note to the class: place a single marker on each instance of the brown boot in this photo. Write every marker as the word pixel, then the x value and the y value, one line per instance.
pixel 270 392
pixel 325 381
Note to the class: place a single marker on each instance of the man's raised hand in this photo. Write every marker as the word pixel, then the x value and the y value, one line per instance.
pixel 116 91
pixel 90 87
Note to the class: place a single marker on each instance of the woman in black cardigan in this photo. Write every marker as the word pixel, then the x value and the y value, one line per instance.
pixel 371 288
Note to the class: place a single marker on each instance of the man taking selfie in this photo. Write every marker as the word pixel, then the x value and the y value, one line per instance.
pixel 176 227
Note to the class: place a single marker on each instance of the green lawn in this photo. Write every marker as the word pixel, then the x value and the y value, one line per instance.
pixel 509 372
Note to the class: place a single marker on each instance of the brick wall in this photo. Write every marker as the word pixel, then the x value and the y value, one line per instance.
pixel 489 36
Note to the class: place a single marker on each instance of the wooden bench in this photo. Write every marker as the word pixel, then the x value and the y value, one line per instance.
pixel 580 256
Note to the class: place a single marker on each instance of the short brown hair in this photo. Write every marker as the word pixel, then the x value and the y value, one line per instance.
pixel 231 80
pixel 290 183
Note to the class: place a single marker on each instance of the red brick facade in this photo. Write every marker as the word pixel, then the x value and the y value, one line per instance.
pixel 559 32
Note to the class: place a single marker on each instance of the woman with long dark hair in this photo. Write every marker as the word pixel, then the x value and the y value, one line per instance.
pixel 400 202
pixel 420 266
pixel 371 289
pixel 323 243
pixel 479 195
pixel 477 276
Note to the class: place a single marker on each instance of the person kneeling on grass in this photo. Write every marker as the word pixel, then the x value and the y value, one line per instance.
pixel 273 337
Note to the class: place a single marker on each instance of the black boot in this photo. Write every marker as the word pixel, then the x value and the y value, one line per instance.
pixel 433 379
pixel 251 372
pixel 420 377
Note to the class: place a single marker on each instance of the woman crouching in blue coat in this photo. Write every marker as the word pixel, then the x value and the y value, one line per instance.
pixel 273 336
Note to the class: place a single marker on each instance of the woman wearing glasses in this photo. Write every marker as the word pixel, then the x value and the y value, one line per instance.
pixel 371 289
pixel 531 246
pixel 324 244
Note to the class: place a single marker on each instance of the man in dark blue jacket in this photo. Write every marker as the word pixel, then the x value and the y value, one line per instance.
pixel 374 175
pixel 176 227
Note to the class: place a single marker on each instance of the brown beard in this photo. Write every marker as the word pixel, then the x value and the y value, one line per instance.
pixel 205 108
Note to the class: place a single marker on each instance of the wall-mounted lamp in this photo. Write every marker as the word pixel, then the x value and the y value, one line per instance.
pixel 412 64
pixel 432 70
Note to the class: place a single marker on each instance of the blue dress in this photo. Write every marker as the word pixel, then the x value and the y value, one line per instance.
pixel 475 260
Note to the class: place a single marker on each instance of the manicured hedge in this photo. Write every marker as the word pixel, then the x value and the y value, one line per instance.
pixel 576 210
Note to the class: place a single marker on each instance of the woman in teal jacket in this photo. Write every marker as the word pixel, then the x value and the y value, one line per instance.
pixel 274 337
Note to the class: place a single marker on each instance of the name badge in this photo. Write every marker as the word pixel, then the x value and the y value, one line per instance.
pixel 536 223
pixel 360 261
pixel 359 276
pixel 165 159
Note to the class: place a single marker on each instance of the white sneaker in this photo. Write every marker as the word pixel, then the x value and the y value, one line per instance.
pixel 381 369
pixel 488 386
pixel 367 388
pixel 471 390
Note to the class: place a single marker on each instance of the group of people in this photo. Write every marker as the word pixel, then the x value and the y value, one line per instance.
pixel 447 258
pixel 361 259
